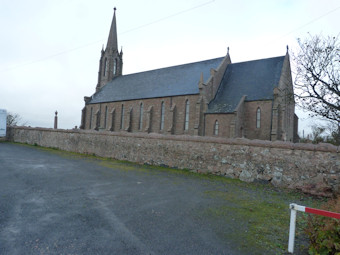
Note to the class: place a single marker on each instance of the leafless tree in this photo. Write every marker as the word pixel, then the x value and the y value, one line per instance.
pixel 317 83
pixel 13 119
pixel 334 133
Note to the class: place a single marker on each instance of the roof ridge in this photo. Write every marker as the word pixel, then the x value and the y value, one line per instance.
pixel 261 59
pixel 167 67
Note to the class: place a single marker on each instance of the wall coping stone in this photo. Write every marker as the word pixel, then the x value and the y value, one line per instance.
pixel 321 147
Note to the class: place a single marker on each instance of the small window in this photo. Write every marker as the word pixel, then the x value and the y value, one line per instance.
pixel 162 116
pixel 258 118
pixel 115 67
pixel 141 116
pixel 122 118
pixel 186 119
pixel 105 66
pixel 216 128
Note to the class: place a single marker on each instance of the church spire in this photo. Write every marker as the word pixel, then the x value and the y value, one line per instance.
pixel 112 40
pixel 111 61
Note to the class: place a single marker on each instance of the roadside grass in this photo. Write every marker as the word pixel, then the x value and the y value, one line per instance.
pixel 260 212
pixel 263 214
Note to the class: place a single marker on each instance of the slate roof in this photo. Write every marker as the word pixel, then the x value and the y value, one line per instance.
pixel 255 79
pixel 170 81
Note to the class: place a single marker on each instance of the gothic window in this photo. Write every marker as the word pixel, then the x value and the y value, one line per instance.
pixel 113 115
pixel 115 67
pixel 162 116
pixel 97 118
pixel 122 118
pixel 258 118
pixel 91 113
pixel 105 66
pixel 186 119
pixel 141 116
pixel 105 117
pixel 216 128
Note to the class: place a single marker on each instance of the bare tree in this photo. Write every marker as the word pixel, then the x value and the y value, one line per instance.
pixel 334 133
pixel 13 119
pixel 318 134
pixel 317 83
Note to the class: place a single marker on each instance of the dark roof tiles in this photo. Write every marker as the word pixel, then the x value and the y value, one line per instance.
pixel 255 79
pixel 170 81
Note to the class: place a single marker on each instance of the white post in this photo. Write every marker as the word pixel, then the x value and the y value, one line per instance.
pixel 292 228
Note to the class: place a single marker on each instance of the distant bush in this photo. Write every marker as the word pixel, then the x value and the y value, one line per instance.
pixel 324 232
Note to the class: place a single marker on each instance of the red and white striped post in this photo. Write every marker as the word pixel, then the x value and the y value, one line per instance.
pixel 293 209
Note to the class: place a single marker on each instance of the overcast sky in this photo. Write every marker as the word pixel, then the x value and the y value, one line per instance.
pixel 50 50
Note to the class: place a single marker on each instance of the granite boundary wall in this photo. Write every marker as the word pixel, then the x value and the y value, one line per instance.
pixel 311 168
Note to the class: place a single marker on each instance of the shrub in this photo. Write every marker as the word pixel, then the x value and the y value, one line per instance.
pixel 324 232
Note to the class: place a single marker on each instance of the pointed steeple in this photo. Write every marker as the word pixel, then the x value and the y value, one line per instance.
pixel 111 61
pixel 112 40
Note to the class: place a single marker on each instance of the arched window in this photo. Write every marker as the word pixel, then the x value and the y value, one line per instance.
pixel 105 117
pixel 105 66
pixel 216 128
pixel 115 67
pixel 258 118
pixel 186 119
pixel 122 118
pixel 141 116
pixel 162 116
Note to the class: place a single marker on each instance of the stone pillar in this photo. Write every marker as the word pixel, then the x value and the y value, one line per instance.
pixel 56 120
pixel 273 135
pixel 83 118
pixel 198 116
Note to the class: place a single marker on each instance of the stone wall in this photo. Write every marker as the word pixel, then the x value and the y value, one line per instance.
pixel 311 168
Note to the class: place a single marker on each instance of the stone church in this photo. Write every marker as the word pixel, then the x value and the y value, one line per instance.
pixel 214 97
